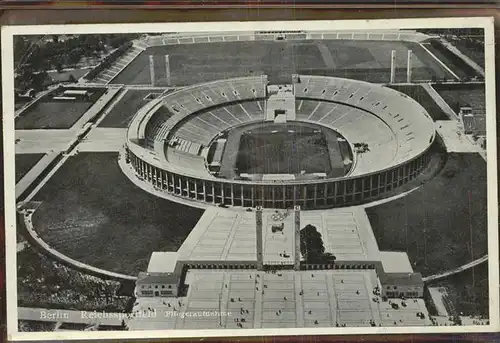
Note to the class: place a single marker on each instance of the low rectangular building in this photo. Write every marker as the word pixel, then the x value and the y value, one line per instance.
pixel 157 285
pixel 397 285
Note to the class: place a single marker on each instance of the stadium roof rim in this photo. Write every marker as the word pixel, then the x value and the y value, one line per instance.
pixel 159 160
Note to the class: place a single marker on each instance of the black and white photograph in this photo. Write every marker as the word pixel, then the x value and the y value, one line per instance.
pixel 232 179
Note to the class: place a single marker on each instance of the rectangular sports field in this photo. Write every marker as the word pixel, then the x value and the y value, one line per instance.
pixel 52 115
pixel 93 213
pixel 55 114
pixel 24 162
pixel 437 223
pixel 363 60
pixel 123 112
pixel 276 150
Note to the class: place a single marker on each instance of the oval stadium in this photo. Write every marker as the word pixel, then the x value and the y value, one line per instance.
pixel 316 142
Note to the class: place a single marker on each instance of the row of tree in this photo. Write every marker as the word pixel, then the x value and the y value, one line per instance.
pixel 53 52
pixel 108 61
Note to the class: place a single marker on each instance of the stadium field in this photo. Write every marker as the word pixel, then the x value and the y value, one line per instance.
pixel 419 94
pixel 91 212
pixel 53 114
pixel 364 60
pixel 434 223
pixel 123 112
pixel 24 162
pixel 283 149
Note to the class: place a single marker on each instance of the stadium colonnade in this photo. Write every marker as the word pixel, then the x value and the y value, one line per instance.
pixel 183 172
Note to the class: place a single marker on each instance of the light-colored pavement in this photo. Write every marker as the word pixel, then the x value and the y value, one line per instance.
pixel 43 141
pixel 222 299
pixel 423 45
pixel 440 101
pixel 455 140
pixel 103 140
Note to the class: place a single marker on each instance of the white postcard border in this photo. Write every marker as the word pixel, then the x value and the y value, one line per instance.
pixel 7 34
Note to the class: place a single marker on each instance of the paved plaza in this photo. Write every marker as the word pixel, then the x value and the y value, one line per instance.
pixel 455 140
pixel 218 298
pixel 346 232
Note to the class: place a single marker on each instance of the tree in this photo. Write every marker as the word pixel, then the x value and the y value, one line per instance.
pixel 312 247
pixel 311 244
pixel 59 67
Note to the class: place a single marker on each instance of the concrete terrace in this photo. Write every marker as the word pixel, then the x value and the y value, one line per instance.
pixel 218 298
pixel 346 233
pixel 221 235
pixel 230 235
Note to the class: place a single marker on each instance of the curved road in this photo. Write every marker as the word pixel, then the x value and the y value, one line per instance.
pixel 456 270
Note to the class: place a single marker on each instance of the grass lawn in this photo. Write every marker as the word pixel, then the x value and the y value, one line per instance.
pixel 457 95
pixel 284 153
pixel 64 76
pixel 468 290
pixel 196 63
pixel 24 162
pixel 438 223
pixel 53 114
pixel 453 62
pixel 419 94
pixel 121 115
pixel 91 212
